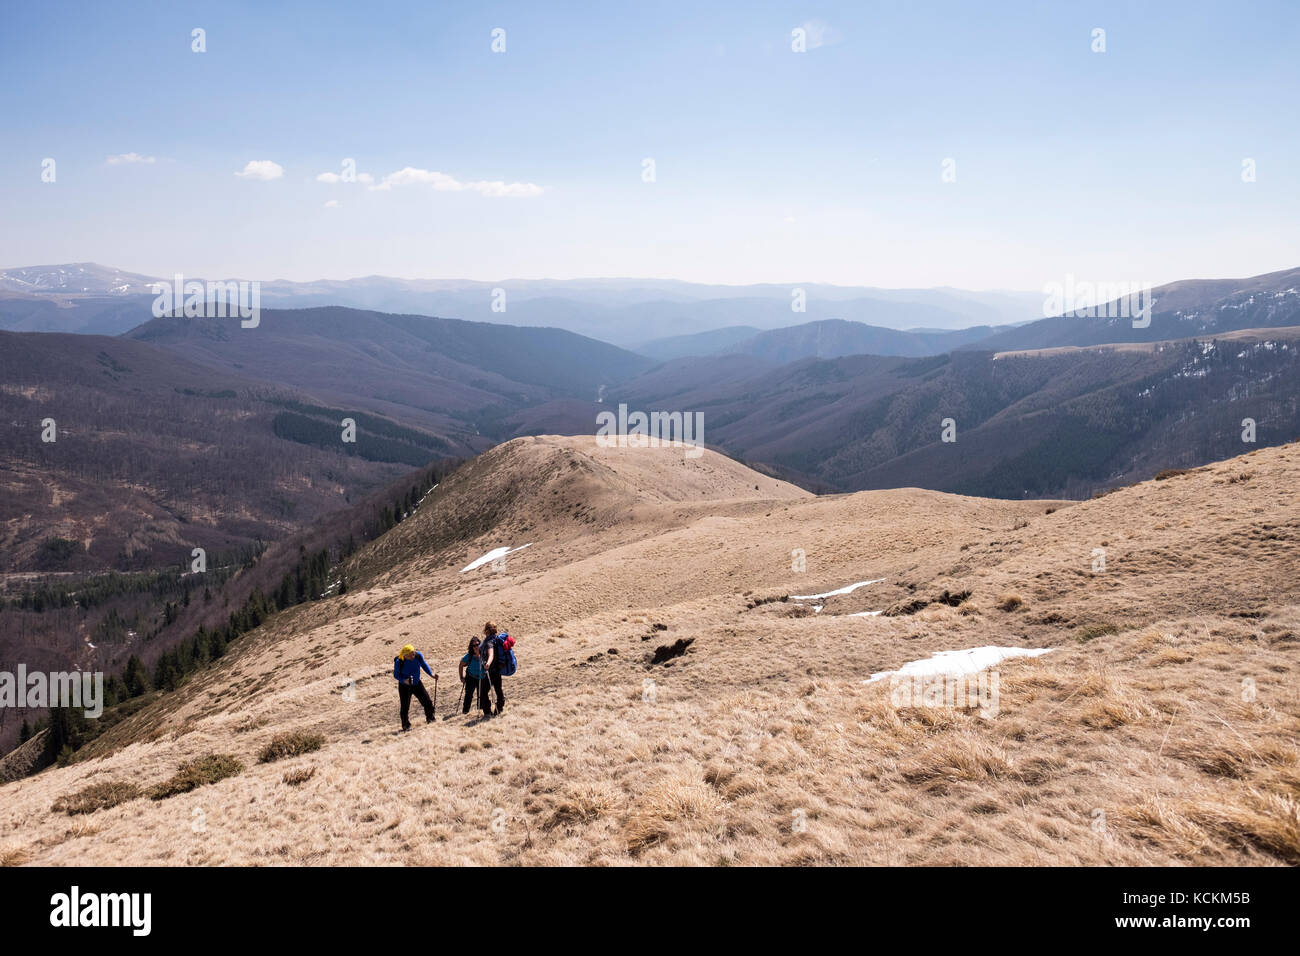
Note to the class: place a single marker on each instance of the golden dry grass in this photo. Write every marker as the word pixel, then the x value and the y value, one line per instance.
pixel 14 856
pixel 1167 736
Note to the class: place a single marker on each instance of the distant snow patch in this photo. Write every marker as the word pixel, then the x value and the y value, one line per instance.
pixel 844 590
pixel 492 556
pixel 958 663
pixel 865 614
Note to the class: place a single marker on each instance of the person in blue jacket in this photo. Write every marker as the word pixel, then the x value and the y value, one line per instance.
pixel 471 673
pixel 406 671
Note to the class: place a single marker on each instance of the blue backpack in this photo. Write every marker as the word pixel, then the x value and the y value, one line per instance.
pixel 503 645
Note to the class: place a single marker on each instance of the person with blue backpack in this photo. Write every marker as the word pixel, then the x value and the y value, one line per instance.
pixel 498 660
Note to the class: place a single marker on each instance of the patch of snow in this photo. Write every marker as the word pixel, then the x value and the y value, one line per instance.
pixel 866 614
pixel 492 556
pixel 958 663
pixel 844 590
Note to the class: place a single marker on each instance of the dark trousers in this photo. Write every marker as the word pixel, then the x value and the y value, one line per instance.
pixel 404 691
pixel 471 685
pixel 484 698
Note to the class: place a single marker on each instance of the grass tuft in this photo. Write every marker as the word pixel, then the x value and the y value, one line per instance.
pixel 298 777
pixel 290 744
pixel 97 796
pixel 1009 602
pixel 197 773
pixel 1092 631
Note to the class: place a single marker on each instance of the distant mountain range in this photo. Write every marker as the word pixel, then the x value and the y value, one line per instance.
pixel 690 318
pixel 85 297
pixel 832 404
pixel 1179 310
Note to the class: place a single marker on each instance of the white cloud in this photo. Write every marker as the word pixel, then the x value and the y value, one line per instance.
pixel 444 183
pixel 410 175
pixel 262 169
pixel 332 204
pixel 122 159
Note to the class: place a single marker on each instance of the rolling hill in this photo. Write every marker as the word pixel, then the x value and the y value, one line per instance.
pixel 1042 424
pixel 155 455
pixel 834 338
pixel 698 343
pixel 1179 310
pixel 826 338
pixel 76 279
pixel 452 376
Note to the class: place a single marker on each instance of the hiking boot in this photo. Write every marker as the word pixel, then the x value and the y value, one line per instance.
pixel 406 729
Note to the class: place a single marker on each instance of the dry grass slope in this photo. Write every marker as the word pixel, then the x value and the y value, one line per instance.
pixel 1161 729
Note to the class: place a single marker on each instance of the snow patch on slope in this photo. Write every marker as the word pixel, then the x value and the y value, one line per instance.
pixel 492 556
pixel 958 663
pixel 847 589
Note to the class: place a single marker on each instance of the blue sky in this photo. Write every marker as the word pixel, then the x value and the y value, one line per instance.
pixel 771 165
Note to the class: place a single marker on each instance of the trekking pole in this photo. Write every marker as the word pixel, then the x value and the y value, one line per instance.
pixel 451 711
pixel 435 695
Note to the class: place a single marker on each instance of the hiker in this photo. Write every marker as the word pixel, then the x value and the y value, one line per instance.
pixel 471 672
pixel 491 660
pixel 406 671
